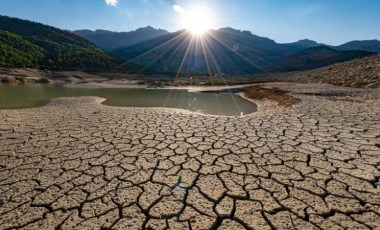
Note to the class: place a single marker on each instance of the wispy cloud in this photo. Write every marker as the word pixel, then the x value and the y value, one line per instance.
pixel 179 9
pixel 112 2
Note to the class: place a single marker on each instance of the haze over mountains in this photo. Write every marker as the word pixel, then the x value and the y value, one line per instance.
pixel 155 51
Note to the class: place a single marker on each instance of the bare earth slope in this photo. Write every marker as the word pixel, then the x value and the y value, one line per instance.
pixel 362 72
pixel 77 164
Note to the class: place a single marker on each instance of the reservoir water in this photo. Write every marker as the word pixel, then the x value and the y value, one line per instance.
pixel 26 96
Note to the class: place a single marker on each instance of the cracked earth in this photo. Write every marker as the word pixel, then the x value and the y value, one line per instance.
pixel 77 164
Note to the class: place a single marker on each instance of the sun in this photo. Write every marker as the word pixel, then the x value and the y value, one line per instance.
pixel 198 20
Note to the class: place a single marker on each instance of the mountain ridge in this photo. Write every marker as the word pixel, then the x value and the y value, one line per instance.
pixel 155 51
pixel 236 51
pixel 372 45
pixel 227 50
pixel 367 45
pixel 304 44
pixel 110 40
pixel 253 53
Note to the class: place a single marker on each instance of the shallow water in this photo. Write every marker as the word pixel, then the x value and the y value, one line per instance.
pixel 25 96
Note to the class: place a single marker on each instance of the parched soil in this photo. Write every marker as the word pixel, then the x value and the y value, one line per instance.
pixel 78 164
pixel 283 98
pixel 361 73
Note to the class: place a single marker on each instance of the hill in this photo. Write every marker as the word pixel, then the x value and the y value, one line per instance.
pixel 304 44
pixel 18 52
pixel 314 58
pixel 361 73
pixel 28 44
pixel 367 45
pixel 112 40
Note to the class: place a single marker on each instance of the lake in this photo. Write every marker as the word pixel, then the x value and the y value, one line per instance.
pixel 26 96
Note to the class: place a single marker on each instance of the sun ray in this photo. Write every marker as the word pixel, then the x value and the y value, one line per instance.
pixel 224 81
pixel 149 51
pixel 210 46
pixel 159 46
pixel 241 56
pixel 184 59
pixel 178 48
pixel 177 44
pixel 179 70
pixel 206 59
pixel 209 72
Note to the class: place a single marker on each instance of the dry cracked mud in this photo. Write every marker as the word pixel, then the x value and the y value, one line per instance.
pixel 77 164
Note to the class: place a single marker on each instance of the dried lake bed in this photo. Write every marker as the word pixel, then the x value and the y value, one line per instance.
pixel 76 163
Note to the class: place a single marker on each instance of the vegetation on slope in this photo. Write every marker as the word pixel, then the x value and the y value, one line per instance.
pixel 28 44
pixel 18 52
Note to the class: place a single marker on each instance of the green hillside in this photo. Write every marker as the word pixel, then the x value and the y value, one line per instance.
pixel 28 44
pixel 18 52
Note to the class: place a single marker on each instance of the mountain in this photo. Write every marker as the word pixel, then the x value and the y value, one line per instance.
pixel 150 51
pixel 230 51
pixel 367 45
pixel 304 44
pixel 225 50
pixel 314 58
pixel 112 40
pixel 28 44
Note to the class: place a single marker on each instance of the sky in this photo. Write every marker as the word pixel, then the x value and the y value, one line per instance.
pixel 331 22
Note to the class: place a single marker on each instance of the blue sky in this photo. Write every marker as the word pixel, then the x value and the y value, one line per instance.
pixel 328 21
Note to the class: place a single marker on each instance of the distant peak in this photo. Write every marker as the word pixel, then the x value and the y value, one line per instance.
pixel 229 29
pixel 145 28
pixel 102 31
pixel 235 31
pixel 148 29
pixel 364 41
pixel 244 33
pixel 304 43
pixel 308 41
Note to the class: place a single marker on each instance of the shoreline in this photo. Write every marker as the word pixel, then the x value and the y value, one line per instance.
pixel 266 105
pixel 116 85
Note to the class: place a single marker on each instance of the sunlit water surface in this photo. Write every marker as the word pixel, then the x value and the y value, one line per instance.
pixel 25 96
